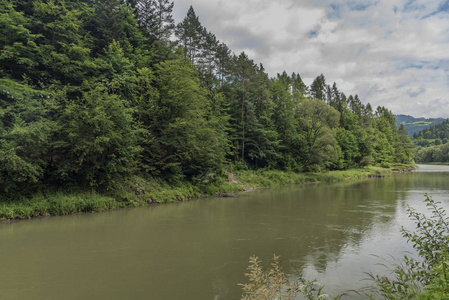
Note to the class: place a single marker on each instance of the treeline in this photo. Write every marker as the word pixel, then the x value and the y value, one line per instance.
pixel 92 92
pixel 431 144
pixel 435 135
pixel 415 125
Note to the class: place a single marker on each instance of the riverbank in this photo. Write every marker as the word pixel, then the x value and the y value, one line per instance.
pixel 434 163
pixel 137 191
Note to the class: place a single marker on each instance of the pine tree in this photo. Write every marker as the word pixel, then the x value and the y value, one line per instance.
pixel 189 33
pixel 223 63
pixel 164 20
pixel 356 105
pixel 207 62
pixel 156 17
pixel 299 89
pixel 244 69
pixel 403 147
pixel 107 23
pixel 190 144
pixel 113 21
pixel 145 14
pixel 284 121
pixel 318 87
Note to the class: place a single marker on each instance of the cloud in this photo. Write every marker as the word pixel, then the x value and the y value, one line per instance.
pixel 391 53
pixel 415 92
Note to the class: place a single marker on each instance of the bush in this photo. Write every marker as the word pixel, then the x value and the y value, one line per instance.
pixel 385 165
pixel 367 161
pixel 428 276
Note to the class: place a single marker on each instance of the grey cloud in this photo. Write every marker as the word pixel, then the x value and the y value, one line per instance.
pixel 244 39
pixel 359 6
pixel 384 51
pixel 337 10
pixel 415 92
pixel 434 108
pixel 413 5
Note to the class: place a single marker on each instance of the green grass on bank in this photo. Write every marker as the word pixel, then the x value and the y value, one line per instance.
pixel 137 191
pixel 56 204
pixel 434 163
pixel 271 178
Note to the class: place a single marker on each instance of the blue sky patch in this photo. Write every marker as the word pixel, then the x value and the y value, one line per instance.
pixel 361 6
pixel 444 7
pixel 312 33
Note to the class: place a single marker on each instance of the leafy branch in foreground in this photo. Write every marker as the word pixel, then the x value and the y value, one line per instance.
pixel 428 276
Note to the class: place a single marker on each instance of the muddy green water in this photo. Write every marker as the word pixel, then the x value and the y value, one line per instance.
pixel 200 249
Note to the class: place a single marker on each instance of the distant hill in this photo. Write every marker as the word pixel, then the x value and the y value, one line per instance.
pixel 434 135
pixel 415 125
pixel 432 144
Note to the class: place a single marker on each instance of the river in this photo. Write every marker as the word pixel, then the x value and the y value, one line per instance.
pixel 334 232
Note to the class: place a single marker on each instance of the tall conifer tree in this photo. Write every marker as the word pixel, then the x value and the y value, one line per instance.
pixel 189 33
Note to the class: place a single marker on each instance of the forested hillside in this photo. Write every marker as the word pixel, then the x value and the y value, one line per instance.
pixel 431 145
pixel 93 92
pixel 414 125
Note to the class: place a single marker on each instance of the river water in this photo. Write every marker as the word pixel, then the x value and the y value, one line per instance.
pixel 334 232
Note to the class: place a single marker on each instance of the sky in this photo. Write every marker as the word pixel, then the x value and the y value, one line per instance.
pixel 392 53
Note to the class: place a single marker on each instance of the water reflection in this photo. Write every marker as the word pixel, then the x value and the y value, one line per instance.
pixel 432 168
pixel 200 249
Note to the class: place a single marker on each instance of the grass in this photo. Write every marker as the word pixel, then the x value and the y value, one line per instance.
pixel 137 191
pixel 56 204
pixel 434 163
pixel 271 178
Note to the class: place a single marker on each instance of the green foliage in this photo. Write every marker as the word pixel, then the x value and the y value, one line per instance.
pixel 191 142
pixel 18 49
pixel 56 204
pixel 404 146
pixel 415 125
pixel 426 277
pixel 25 137
pixel 69 204
pixel 93 93
pixel 317 121
pixel 437 131
pixel 189 33
pixel 431 143
pixel 97 140
pixel 62 46
pixel 111 21
pixel 317 88
pixel 271 178
pixel 156 19
pixel 438 153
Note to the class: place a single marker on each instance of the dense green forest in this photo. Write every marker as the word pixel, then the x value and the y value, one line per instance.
pixel 415 125
pixel 431 144
pixel 95 92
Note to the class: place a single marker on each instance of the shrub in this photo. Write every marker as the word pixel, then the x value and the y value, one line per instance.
pixel 428 276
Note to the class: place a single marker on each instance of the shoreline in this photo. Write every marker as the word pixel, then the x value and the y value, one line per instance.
pixel 144 193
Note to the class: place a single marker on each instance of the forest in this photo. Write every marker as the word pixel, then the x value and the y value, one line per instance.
pixel 415 125
pixel 93 93
pixel 431 144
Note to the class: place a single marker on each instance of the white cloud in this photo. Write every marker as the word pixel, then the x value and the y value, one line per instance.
pixel 392 53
